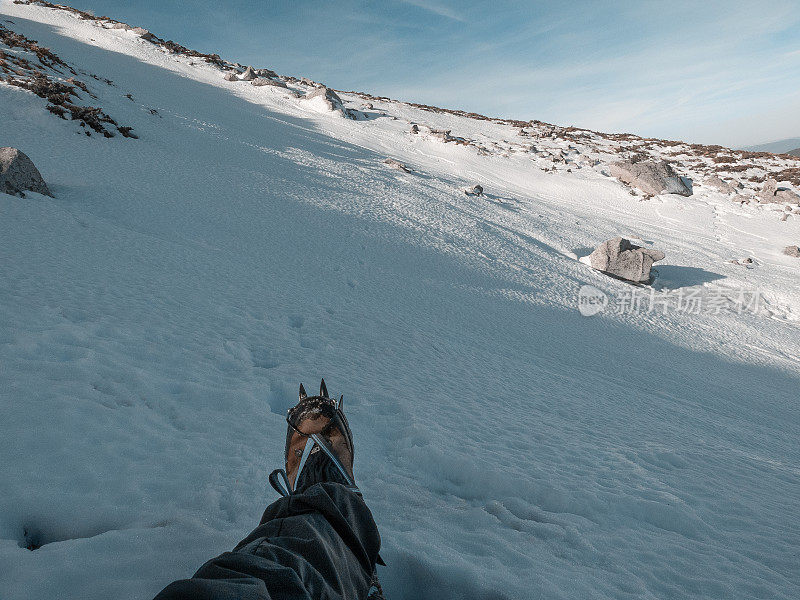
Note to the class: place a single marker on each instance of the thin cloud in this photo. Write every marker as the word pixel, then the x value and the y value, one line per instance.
pixel 436 8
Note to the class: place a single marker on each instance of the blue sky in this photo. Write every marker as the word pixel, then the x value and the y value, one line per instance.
pixel 712 72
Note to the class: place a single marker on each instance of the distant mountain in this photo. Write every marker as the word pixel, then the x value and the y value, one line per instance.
pixel 779 146
pixel 795 152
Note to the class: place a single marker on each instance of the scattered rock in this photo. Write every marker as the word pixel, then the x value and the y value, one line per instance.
pixel 792 251
pixel 231 76
pixel 622 259
pixel 415 129
pixel 18 174
pixel 651 177
pixel 476 190
pixel 772 193
pixel 746 262
pixel 140 31
pixel 396 164
pixel 249 74
pixel 441 134
pixel 785 217
pixel 262 81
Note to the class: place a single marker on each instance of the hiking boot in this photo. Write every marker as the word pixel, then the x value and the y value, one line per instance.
pixel 319 445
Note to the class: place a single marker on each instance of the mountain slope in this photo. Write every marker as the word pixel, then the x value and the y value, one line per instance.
pixel 159 312
pixel 776 146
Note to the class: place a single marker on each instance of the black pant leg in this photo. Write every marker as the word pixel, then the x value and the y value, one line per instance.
pixel 322 543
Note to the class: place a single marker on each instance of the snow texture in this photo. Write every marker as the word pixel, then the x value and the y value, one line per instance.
pixel 157 315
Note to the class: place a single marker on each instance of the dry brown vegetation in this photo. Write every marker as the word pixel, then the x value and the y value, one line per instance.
pixel 62 97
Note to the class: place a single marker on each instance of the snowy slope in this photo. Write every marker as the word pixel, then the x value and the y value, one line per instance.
pixel 157 315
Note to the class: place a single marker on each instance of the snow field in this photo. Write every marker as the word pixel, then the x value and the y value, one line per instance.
pixel 158 314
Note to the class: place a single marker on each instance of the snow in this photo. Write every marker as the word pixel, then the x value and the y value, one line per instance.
pixel 158 314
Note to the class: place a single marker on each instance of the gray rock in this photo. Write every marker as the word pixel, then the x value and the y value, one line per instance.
pixel 249 74
pixel 441 134
pixel 414 128
pixel 651 177
pixel 396 164
pixel 792 251
pixel 262 81
pixel 620 258
pixel 231 76
pixel 772 193
pixel 331 98
pixel 140 31
pixel 476 190
pixel 726 187
pixel 18 173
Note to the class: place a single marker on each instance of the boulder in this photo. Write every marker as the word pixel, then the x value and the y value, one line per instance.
pixel 18 174
pixel 475 190
pixel 622 259
pixel 792 251
pixel 327 97
pixel 651 177
pixel 772 193
pixel 140 31
pixel 231 76
pixel 726 187
pixel 249 74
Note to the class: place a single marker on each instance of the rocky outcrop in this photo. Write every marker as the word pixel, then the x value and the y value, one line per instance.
pixel 772 193
pixel 248 75
pixel 622 259
pixel 792 251
pixel 231 76
pixel 651 177
pixel 18 174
